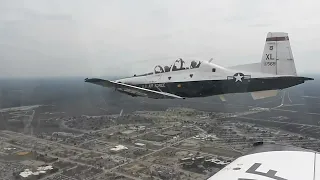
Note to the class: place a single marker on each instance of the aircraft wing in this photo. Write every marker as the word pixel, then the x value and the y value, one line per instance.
pixel 133 90
pixel 273 163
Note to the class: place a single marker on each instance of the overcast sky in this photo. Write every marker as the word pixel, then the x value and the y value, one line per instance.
pixel 115 37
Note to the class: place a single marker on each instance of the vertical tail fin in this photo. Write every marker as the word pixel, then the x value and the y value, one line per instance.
pixel 277 56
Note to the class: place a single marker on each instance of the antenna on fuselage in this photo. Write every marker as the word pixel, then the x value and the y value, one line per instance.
pixel 211 59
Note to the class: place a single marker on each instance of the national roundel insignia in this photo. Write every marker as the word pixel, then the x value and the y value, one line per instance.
pixel 238 77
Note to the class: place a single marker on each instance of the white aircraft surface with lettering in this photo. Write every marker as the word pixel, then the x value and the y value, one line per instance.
pixel 273 165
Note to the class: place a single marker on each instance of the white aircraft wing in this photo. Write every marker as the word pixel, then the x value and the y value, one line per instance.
pixel 278 164
pixel 134 90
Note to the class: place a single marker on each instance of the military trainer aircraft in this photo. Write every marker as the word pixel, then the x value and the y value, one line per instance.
pixel 204 78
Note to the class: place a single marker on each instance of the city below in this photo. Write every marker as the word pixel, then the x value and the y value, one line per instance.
pixel 170 140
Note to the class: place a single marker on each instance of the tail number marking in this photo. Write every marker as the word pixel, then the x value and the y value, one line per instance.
pixel 269 63
pixel 269 57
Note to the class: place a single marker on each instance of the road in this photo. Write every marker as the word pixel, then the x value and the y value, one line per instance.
pixel 289 123
pixel 27 123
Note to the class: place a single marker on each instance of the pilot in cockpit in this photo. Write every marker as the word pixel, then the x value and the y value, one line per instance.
pixel 194 64
pixel 158 69
pixel 174 68
pixel 167 68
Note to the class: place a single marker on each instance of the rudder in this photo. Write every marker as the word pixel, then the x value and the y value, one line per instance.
pixel 277 56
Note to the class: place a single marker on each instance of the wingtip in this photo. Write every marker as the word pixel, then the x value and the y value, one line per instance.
pixel 89 79
pixel 93 80
pixel 309 79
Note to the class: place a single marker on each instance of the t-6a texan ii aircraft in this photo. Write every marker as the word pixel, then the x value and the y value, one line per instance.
pixel 204 78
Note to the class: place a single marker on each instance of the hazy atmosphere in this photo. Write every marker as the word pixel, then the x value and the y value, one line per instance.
pixel 100 38
pixel 67 113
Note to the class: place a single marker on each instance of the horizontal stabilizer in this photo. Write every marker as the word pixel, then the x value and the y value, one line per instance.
pixel 264 94
pixel 133 90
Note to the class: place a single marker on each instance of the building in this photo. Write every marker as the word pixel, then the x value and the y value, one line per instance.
pixel 216 163
pixel 186 159
pixel 140 144
pixel 171 133
pixel 118 148
pixel 38 172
